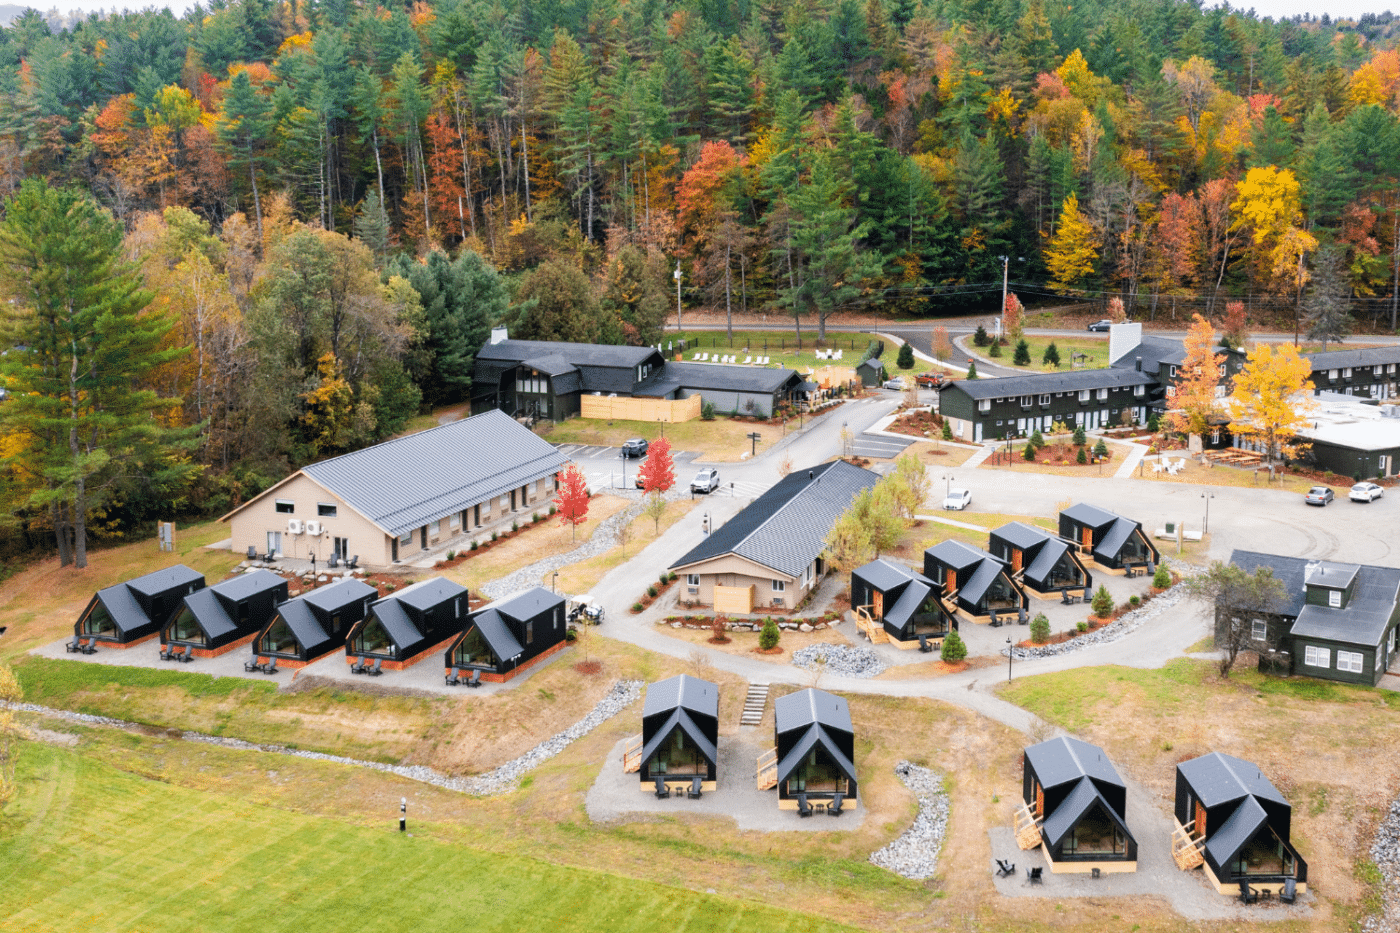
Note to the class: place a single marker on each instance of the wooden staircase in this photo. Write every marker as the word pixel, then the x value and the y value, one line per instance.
pixel 768 769
pixel 754 704
pixel 870 627
pixel 1186 850
pixel 1027 828
pixel 632 754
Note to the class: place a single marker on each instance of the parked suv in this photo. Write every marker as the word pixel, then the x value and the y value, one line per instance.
pixel 930 380
pixel 636 447
pixel 706 481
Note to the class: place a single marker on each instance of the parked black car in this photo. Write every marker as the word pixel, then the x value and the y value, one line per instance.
pixel 1101 327
pixel 635 447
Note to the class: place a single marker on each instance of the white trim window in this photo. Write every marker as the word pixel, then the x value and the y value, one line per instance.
pixel 984 405
pixel 1346 373
pixel 454 521
pixel 1084 395
pixel 1352 662
pixel 1259 630
pixel 1139 391
pixel 285 506
pixel 779 586
pixel 1313 656
pixel 1171 391
pixel 1334 599
pixel 1103 394
pixel 1045 400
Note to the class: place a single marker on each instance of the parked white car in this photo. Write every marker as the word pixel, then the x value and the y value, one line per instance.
pixel 1365 492
pixel 958 499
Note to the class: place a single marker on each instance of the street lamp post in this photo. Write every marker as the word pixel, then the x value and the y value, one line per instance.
pixel 1005 271
pixel 1207 496
pixel 677 275
pixel 1008 659
pixel 554 584
pixel 948 483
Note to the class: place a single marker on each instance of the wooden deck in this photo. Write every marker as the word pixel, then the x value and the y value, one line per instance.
pixel 870 627
pixel 632 754
pixel 1027 828
pixel 768 769
pixel 1186 849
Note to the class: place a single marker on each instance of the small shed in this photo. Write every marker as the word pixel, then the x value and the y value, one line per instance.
pixel 1239 822
pixel 1113 542
pixel 509 635
pixel 975 581
pixel 871 372
pixel 680 732
pixel 905 602
pixel 815 745
pixel 132 612
pixel 404 627
pixel 1041 561
pixel 314 624
pixel 215 620
pixel 1075 793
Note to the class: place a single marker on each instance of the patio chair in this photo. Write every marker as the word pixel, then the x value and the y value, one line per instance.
pixel 803 807
pixel 334 561
pixel 662 790
pixel 694 792
pixel 72 647
pixel 1033 874
pixel 1247 894
pixel 1088 594
pixel 1289 894
pixel 924 646
pixel 352 562
pixel 453 677
pixel 834 808
pixel 1021 616
pixel 377 669
pixel 996 623
pixel 267 558
pixel 269 667
pixel 359 666
pixel 1064 596
pixel 252 552
pixel 748 360
pixel 252 664
pixel 839 353
pixel 90 647
pixel 1005 868
pixel 476 679
pixel 188 656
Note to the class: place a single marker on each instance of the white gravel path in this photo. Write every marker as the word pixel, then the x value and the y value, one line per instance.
pixel 915 853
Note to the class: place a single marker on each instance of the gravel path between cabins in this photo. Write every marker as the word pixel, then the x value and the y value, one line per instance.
pixel 842 660
pixel 1121 628
pixel 1385 852
pixel 915 853
pixel 504 778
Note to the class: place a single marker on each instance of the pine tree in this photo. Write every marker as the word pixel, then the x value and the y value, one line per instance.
pixel 243 128
pixel 971 369
pixel 1052 355
pixel 980 338
pixel 1079 435
pixel 1329 297
pixel 1103 602
pixel 91 429
pixel 1080 458
pixel 1101 449
pixel 954 648
pixel 995 349
pixel 1023 353
pixel 1040 629
pixel 905 359
pixel 372 226
pixel 1028 453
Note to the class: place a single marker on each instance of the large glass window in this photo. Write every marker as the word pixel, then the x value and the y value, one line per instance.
pixel 817 774
pixel 99 621
pixel 185 628
pixel 279 638
pixel 678 757
pixel 473 650
pixel 374 639
pixel 1096 836
pixel 1265 854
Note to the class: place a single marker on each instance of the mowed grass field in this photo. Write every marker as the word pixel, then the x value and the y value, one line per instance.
pixel 91 848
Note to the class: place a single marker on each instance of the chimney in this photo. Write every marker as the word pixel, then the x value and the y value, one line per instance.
pixel 1137 363
pixel 498 334
pixel 1122 340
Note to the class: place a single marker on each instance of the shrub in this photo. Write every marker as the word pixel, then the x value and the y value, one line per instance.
pixel 1100 449
pixel 1163 577
pixel 495 535
pixel 768 638
pixel 553 509
pixel 1082 626
pixel 995 349
pixel 947 430
pixel 980 338
pixel 954 649
pixel 671 577
pixel 972 369
pixel 665 577
pixel 1079 435
pixel 905 359
pixel 1028 453
pixel 570 634
pixel 707 411
pixel 1040 629
pixel 1154 423
pixel 1103 603
pixel 1037 440
pixel 474 545
pixel 1081 458
pixel 535 517
pixel 637 607
pixel 451 554
pixel 1022 356
pixel 1052 355
pixel 651 591
pixel 1134 601
pixel 514 525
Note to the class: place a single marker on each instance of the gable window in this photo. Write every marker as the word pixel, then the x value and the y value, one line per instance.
pixel 1259 630
pixel 779 586
pixel 1334 599
pixel 1313 656
pixel 530 633
pixel 286 506
pixel 1351 661
pixel 325 509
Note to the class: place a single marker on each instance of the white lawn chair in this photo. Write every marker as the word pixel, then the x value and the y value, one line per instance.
pixel 701 357
pixel 695 358
pixel 1157 467
pixel 748 360
pixel 838 353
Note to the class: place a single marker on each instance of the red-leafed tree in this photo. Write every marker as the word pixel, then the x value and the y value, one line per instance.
pixel 1013 318
pixel 445 191
pixel 1236 324
pixel 573 499
pixel 657 472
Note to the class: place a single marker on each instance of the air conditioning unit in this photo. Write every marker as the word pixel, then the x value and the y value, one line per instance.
pixel 313 528
pixel 294 526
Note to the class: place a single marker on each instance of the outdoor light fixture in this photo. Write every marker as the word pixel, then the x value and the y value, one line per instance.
pixel 1008 659
pixel 1207 496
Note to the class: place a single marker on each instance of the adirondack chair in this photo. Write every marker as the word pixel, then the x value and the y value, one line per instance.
pixel 1034 875
pixel 1289 894
pixel 476 679
pixel 803 807
pixel 90 647
pixel 188 656
pixel 252 552
pixel 252 664
pixel 73 646
pixel 377 669
pixel 454 678
pixel 1005 868
pixel 924 646
pixel 662 791
pixel 1247 894
pixel 694 792
pixel 834 808
pixel 359 666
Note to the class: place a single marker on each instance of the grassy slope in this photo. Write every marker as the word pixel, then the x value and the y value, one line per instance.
pixel 92 848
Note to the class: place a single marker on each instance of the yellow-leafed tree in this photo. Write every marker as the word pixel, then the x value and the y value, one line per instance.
pixel 1272 398
pixel 1195 399
pixel 10 696
pixel 1073 249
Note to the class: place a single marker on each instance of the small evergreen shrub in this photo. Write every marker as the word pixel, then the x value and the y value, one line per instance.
pixel 1103 603
pixel 707 411
pixel 1051 356
pixel 1028 453
pixel 972 369
pixel 474 545
pixel 1079 435
pixel 1040 629
pixel 905 359
pixel 651 591
pixel 1080 457
pixel 1022 356
pixel 1154 423
pixel 1101 449
pixel 768 638
pixel 495 535
pixel 954 648
pixel 995 349
pixel 665 577
pixel 671 577
pixel 451 554
pixel 553 509
pixel 637 607
pixel 1082 626
pixel 1163 577
pixel 980 338
pixel 1037 440
pixel 1134 601
pixel 514 525
pixel 947 431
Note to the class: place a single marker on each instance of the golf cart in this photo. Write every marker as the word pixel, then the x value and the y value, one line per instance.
pixel 586 610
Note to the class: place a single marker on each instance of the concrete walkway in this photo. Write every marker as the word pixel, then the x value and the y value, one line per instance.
pixel 1130 462
pixel 977 459
pixel 949 521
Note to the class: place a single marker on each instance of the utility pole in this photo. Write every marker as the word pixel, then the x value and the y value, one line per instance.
pixel 1005 270
pixel 677 275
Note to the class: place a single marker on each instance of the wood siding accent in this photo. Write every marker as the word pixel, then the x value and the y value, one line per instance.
pixel 878 604
pixel 734 598
pixel 640 409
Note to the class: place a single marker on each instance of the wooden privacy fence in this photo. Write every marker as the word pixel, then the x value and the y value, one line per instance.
pixel 828 377
pixel 734 598
pixel 640 409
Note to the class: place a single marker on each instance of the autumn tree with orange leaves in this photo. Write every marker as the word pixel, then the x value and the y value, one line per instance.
pixel 1195 398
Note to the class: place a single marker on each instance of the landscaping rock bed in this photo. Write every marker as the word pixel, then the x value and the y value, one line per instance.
pixel 504 778
pixel 753 625
pixel 1385 852
pixel 915 853
pixel 1124 625
pixel 841 660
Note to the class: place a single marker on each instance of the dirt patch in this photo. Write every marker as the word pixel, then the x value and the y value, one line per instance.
pixel 917 423
pixel 746 643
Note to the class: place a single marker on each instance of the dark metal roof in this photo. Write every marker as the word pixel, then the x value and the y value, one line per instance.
pixel 577 354
pixel 504 644
pixel 400 628
pixel 245 585
pixel 213 619
pixel 1219 778
pixel 1155 351
pixel 177 577
pixel 719 377
pixel 962 556
pixel 1021 535
pixel 528 604
pixel 426 594
pixel 808 706
pixel 1343 359
pixel 885 575
pixel 1116 537
pixel 813 737
pixel 1090 515
pixel 125 611
pixel 1224 843
pixel 303 623
pixel 1046 559
pixel 785 528
pixel 407 482
pixel 908 603
pixel 1363 621
pixel 975 587
pixel 1063 760
pixel 553 365
pixel 1042 383
pixel 338 595
pixel 680 719
pixel 957 555
pixel 682 692
pixel 1073 808
pixel 874 363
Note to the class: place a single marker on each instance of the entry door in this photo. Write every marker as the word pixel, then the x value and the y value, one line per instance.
pixel 1039 801
pixel 1016 560
pixel 274 542
pixel 877 600
pixel 341 548
pixel 1200 828
pixel 1384 466
pixel 977 433
pixel 1086 537
pixel 952 580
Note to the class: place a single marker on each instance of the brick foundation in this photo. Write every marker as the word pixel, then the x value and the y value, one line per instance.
pixel 222 649
pixel 122 645
pixel 406 662
pixel 502 678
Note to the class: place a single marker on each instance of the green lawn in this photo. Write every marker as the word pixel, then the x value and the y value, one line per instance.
pixel 91 848
pixel 1095 347
pixel 782 347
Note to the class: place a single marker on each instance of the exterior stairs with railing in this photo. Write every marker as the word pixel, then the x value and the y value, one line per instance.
pixel 870 627
pixel 1027 828
pixel 767 770
pixel 1186 848
pixel 754 704
pixel 632 755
